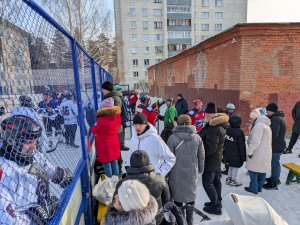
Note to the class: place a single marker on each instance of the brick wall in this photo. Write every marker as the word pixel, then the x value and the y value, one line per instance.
pixel 249 65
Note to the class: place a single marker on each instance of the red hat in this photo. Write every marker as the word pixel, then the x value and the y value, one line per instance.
pixel 198 102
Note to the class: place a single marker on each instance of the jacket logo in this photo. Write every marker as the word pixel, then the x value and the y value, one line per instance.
pixel 10 211
pixel 228 138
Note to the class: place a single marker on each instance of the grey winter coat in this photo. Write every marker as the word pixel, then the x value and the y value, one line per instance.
pixel 296 118
pixel 144 216
pixel 189 163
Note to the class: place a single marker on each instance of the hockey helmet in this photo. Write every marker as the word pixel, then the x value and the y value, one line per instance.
pixel 197 102
pixel 16 131
pixel 144 98
pixel 26 101
pixel 230 106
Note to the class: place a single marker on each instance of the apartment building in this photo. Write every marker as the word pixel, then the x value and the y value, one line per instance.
pixel 149 31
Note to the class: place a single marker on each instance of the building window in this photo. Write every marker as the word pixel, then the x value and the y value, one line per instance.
pixel 218 15
pixel 136 86
pixel 205 15
pixel 178 47
pixel 144 12
pixel 131 0
pixel 157 1
pixel 159 49
pixel 205 3
pixel 146 62
pixel 145 24
pixel 158 37
pixel 147 50
pixel 134 50
pixel 219 3
pixel 146 37
pixel 158 60
pixel 157 25
pixel 179 22
pixel 205 26
pixel 179 34
pixel 133 37
pixel 144 1
pixel 157 12
pixel 204 37
pixel 178 9
pixel 146 73
pixel 218 26
pixel 135 62
pixel 135 74
pixel 132 11
pixel 133 24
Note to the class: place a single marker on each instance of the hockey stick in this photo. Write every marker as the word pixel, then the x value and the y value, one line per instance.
pixel 197 211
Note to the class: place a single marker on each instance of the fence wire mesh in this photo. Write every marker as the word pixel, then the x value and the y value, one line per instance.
pixel 41 145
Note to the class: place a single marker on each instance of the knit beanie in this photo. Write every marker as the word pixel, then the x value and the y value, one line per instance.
pixel 256 113
pixel 140 118
pixel 211 108
pixel 272 107
pixel 170 100
pixel 139 159
pixel 133 195
pixel 180 95
pixel 107 85
pixel 184 120
pixel 107 103
pixel 118 87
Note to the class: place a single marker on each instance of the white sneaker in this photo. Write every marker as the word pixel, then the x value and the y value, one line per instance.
pixel 234 183
pixel 228 180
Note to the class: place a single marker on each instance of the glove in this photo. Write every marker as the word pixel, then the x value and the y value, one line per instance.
pixel 250 156
pixel 63 177
pixel 41 213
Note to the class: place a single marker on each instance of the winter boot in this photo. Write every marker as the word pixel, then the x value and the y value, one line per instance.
pixel 269 180
pixel 270 186
pixel 189 214
pixel 287 151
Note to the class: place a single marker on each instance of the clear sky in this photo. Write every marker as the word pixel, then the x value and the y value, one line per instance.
pixel 273 11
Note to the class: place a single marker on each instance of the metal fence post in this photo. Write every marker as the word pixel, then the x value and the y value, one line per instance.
pixel 101 81
pixel 85 180
pixel 94 83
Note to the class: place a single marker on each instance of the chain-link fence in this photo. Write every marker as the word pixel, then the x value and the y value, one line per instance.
pixel 49 91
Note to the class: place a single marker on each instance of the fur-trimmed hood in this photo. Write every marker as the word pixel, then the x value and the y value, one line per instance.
pixel 109 111
pixel 139 217
pixel 219 119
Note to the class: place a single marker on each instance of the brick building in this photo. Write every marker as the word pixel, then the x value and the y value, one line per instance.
pixel 248 65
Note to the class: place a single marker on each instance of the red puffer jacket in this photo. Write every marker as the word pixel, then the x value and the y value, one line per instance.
pixel 133 98
pixel 106 131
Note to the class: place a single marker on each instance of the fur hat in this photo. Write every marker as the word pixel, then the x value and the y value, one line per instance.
pixel 211 108
pixel 273 107
pixel 133 195
pixel 107 85
pixel 139 159
pixel 107 103
pixel 184 120
pixel 140 118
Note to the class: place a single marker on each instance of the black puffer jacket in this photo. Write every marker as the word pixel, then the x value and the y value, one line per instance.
pixel 181 106
pixel 235 143
pixel 156 184
pixel 213 136
pixel 278 127
pixel 296 118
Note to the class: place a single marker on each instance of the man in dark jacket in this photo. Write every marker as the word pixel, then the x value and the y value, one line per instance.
pixel 278 127
pixel 181 105
pixel 213 137
pixel 140 169
pixel 295 129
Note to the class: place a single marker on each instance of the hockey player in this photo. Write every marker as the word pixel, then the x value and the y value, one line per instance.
pixel 145 108
pixel 25 175
pixel 197 115
pixel 68 109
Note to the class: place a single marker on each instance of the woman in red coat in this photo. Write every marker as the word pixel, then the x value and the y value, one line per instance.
pixel 107 139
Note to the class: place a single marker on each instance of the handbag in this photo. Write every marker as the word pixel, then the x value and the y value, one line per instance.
pixel 105 188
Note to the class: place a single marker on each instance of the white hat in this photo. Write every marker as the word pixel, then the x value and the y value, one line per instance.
pixel 133 195
pixel 258 112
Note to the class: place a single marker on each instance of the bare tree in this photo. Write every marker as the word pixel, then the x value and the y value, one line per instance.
pixel 84 19
pixel 144 86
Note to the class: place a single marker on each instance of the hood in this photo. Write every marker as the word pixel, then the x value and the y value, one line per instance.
pixel 135 171
pixel 113 93
pixel 219 119
pixel 109 111
pixel 278 113
pixel 139 217
pixel 150 131
pixel 263 119
pixel 235 121
pixel 184 132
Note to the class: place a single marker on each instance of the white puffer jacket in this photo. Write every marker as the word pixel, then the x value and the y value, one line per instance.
pixel 159 153
pixel 260 146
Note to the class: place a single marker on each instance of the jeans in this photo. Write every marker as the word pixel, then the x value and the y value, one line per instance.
pixel 276 167
pixel 132 106
pixel 257 181
pixel 293 140
pixel 111 168
pixel 232 172
pixel 212 186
